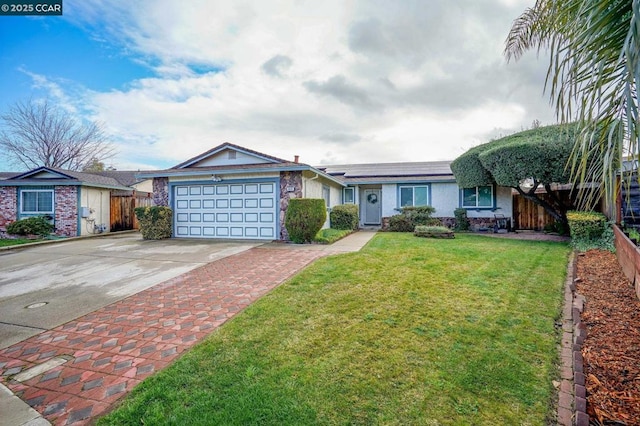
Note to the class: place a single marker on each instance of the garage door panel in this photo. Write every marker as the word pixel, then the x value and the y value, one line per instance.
pixel 238 210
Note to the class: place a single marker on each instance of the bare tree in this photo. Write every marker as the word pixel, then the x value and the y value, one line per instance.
pixel 40 134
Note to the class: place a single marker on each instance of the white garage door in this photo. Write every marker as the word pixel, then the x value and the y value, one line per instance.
pixel 233 210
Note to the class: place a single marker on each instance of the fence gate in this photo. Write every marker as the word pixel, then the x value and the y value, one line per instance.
pixel 527 215
pixel 123 217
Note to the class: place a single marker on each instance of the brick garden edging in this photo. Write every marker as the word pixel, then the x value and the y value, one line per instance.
pixel 572 398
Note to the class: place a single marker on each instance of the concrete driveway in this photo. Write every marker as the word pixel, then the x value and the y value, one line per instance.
pixel 44 286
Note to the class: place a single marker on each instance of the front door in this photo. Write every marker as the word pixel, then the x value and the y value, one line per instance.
pixel 372 206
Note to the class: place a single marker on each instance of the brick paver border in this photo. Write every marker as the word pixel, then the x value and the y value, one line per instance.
pixel 109 351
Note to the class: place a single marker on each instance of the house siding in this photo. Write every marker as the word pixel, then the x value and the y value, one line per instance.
pixel 8 205
pixel 66 210
pixel 444 198
pixel 389 200
pixel 313 189
pixel 99 203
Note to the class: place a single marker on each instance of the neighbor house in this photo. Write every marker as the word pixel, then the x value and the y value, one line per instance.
pixel 76 203
pixel 234 192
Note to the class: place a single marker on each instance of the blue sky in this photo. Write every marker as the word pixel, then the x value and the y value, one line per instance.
pixel 56 48
pixel 337 82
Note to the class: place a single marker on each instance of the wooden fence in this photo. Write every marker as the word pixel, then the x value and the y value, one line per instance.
pixel 629 201
pixel 530 216
pixel 123 217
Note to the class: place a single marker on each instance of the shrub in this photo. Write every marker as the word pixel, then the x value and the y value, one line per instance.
pixel 36 225
pixel 401 223
pixel 155 222
pixel 433 231
pixel 304 218
pixel 462 221
pixel 344 216
pixel 590 230
pixel 410 217
pixel 330 236
pixel 586 225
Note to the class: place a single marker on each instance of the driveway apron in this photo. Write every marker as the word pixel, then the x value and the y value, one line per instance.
pixel 76 371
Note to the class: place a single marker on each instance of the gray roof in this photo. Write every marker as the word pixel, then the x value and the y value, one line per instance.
pixel 391 172
pixel 7 175
pixel 124 177
pixel 66 176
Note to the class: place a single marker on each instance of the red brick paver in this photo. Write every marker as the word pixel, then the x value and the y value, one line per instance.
pixel 111 350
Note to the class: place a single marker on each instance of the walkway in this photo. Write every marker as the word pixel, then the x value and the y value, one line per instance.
pixel 75 372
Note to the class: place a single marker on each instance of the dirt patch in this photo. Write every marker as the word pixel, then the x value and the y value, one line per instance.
pixel 611 350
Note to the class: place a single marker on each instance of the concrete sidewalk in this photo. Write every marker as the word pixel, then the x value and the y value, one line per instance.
pixel 74 372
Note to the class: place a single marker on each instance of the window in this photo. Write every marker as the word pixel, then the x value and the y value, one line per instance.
pixel 326 194
pixel 37 201
pixel 414 196
pixel 348 196
pixel 478 197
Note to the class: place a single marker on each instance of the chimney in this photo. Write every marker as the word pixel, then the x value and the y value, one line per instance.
pixel 296 158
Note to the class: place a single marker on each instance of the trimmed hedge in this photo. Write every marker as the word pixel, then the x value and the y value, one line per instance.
pixel 586 225
pixel 36 225
pixel 304 218
pixel 433 232
pixel 155 222
pixel 541 152
pixel 410 217
pixel 590 230
pixel 344 217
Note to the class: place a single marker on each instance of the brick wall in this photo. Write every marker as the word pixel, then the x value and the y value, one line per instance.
pixel 8 205
pixel 66 211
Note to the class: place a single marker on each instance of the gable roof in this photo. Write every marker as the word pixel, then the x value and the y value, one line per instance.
pixel 222 147
pixel 63 177
pixel 263 164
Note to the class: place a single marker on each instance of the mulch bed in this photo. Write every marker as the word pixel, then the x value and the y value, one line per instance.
pixel 611 350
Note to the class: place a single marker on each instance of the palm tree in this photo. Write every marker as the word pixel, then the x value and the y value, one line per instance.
pixel 592 78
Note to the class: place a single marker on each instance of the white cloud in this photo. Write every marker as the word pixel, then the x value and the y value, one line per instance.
pixel 333 81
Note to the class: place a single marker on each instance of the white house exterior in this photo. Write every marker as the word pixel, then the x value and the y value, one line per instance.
pixel 382 190
pixel 234 192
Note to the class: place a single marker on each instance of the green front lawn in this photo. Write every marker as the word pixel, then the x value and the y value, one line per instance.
pixel 409 331
pixel 4 242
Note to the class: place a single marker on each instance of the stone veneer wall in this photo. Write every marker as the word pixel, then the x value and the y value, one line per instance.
pixel 8 205
pixel 161 191
pixel 66 211
pixel 292 179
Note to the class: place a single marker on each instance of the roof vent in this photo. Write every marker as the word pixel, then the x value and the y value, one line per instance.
pixel 232 155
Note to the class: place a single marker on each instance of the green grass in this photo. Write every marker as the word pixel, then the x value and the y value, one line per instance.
pixel 329 236
pixel 408 331
pixel 13 242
